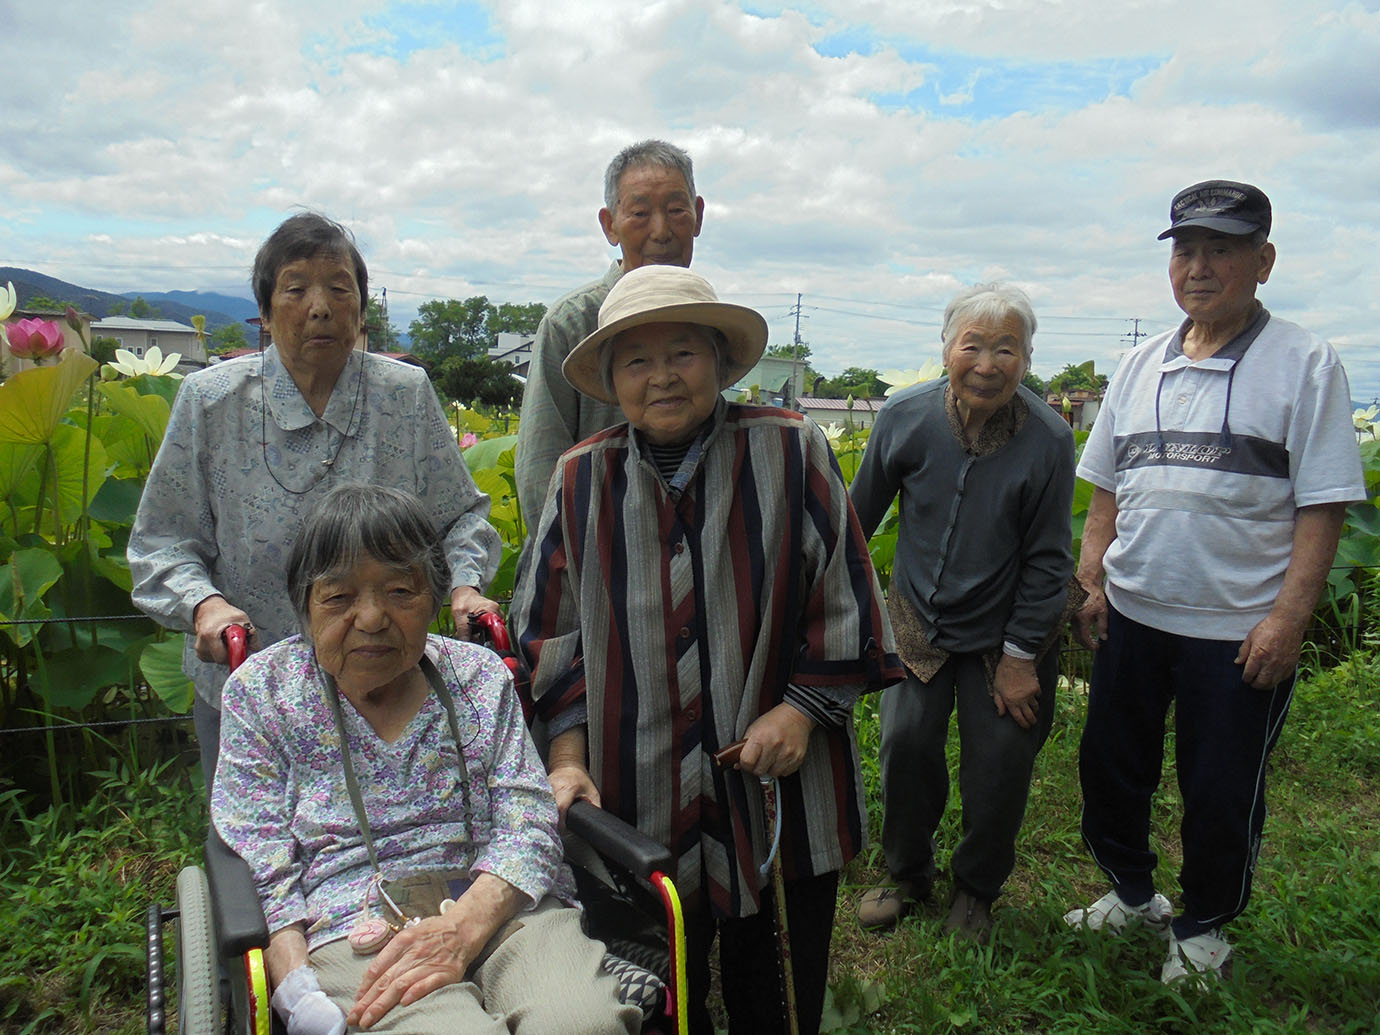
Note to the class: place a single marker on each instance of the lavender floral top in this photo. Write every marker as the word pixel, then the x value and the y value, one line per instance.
pixel 280 798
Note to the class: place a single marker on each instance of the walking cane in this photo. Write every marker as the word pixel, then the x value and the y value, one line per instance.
pixel 727 758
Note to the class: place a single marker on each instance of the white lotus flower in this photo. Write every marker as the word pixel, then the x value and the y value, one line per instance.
pixel 154 363
pixel 833 432
pixel 9 298
pixel 899 379
pixel 1364 420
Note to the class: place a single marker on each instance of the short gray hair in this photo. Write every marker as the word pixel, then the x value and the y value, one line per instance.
pixel 646 152
pixel 712 335
pixel 355 521
pixel 993 301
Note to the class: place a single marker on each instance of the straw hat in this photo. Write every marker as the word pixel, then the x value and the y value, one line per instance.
pixel 667 294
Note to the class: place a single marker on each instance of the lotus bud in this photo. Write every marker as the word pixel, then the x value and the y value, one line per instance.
pixel 34 339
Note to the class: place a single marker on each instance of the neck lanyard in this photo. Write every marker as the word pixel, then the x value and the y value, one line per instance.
pixel 352 783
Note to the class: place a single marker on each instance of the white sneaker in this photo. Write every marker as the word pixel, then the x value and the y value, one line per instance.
pixel 1201 957
pixel 1112 914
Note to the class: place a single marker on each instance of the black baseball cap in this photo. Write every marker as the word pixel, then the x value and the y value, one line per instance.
pixel 1222 205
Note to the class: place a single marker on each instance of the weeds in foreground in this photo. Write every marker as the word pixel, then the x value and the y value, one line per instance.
pixel 1307 948
pixel 76 883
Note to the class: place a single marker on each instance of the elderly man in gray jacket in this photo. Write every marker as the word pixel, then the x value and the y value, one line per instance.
pixel 984 470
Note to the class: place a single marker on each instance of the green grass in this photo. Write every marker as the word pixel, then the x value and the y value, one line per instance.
pixel 75 886
pixel 1307 948
pixel 75 883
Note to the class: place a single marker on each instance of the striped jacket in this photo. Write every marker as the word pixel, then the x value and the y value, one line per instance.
pixel 677 616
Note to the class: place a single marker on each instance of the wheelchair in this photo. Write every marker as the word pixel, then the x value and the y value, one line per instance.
pixel 221 983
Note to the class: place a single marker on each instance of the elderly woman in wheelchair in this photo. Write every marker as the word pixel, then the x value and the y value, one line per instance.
pixel 381 785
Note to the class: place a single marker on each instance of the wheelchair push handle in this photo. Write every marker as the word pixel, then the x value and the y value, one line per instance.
pixel 236 639
pixel 493 629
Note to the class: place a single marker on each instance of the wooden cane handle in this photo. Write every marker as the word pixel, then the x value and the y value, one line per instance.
pixel 728 757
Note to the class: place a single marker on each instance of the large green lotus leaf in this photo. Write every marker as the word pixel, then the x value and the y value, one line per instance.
pixel 75 677
pixel 126 444
pixel 116 501
pixel 71 465
pixel 486 454
pixel 32 402
pixel 24 579
pixel 149 412
pixel 16 461
pixel 161 664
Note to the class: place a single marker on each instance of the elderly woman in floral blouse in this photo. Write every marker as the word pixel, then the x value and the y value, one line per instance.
pixel 366 751
pixel 699 578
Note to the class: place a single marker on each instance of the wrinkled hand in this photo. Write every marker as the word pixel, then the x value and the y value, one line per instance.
pixel 1270 652
pixel 1017 690
pixel 571 783
pixel 1090 623
pixel 776 742
pixel 415 962
pixel 304 1007
pixel 209 622
pixel 465 601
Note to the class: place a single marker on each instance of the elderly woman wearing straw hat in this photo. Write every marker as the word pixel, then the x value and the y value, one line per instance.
pixel 700 578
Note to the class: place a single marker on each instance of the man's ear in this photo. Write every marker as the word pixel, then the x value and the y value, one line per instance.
pixel 1267 262
pixel 606 224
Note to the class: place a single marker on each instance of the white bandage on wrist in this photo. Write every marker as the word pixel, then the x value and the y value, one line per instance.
pixel 304 1007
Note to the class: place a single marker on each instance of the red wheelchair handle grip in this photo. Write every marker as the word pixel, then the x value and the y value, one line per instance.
pixel 236 644
pixel 493 625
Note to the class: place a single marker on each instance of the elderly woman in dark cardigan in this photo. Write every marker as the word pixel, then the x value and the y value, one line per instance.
pixel 700 578
pixel 984 470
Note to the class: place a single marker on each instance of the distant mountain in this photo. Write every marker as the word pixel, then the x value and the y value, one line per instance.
pixel 228 308
pixel 201 302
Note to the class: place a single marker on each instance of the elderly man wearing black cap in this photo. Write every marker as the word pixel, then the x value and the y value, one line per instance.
pixel 1223 460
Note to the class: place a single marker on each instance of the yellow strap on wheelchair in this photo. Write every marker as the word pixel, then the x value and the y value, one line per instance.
pixel 260 1014
pixel 675 929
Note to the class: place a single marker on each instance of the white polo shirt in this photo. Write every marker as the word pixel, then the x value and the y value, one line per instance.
pixel 1209 462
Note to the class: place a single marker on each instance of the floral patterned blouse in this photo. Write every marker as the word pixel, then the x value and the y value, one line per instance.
pixel 280 798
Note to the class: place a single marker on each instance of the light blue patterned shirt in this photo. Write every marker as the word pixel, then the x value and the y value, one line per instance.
pixel 281 802
pixel 232 482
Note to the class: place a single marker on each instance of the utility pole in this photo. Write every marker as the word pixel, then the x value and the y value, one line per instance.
pixel 795 352
pixel 1135 334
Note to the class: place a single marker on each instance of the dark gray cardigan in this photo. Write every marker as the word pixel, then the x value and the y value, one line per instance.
pixel 985 546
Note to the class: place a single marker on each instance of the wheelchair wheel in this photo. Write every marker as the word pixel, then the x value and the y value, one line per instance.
pixel 198 981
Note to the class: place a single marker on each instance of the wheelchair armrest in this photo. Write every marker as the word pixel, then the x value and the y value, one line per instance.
pixel 240 924
pixel 618 841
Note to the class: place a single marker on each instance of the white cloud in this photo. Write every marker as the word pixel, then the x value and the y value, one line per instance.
pixel 957 141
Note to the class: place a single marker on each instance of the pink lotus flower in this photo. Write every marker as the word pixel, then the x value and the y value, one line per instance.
pixel 34 339
pixel 468 439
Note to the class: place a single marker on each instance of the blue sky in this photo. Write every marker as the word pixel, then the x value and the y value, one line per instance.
pixel 871 156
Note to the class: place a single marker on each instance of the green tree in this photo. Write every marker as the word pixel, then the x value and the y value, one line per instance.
pixel 470 328
pixel 480 379
pixel 44 304
pixel 227 339
pixel 142 310
pixel 1078 376
pixel 451 328
pixel 1033 382
pixel 800 352
pixel 103 349
pixel 859 382
pixel 383 334
pixel 116 308
pixel 512 318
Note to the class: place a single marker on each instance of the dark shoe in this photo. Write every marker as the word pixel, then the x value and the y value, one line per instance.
pixel 970 917
pixel 885 906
